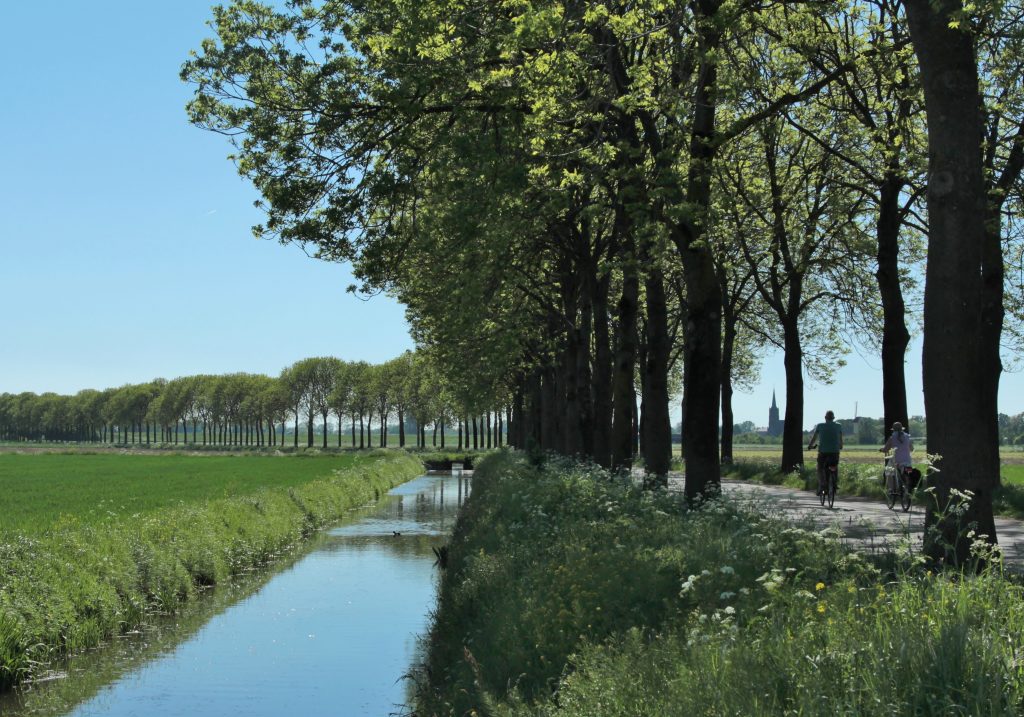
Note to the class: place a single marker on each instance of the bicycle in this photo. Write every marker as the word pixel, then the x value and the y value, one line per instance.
pixel 897 485
pixel 831 484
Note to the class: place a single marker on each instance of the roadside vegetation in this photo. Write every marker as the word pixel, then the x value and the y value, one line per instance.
pixel 570 592
pixel 86 555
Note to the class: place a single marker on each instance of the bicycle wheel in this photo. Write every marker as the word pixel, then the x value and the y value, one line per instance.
pixel 904 495
pixel 890 492
pixel 833 479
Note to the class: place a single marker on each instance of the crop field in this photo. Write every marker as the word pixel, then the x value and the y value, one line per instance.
pixel 37 489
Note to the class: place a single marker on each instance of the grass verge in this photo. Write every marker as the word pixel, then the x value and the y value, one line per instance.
pixel 570 593
pixel 70 586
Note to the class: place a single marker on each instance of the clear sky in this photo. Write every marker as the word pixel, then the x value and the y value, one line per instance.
pixel 125 244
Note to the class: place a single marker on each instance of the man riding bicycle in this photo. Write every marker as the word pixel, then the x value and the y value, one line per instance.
pixel 829 437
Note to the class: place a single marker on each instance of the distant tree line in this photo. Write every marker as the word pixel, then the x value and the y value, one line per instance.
pixel 242 409
pixel 862 431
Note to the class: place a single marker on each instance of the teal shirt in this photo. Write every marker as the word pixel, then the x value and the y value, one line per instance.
pixel 828 437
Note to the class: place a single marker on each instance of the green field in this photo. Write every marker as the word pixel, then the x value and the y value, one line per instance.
pixel 92 544
pixel 36 489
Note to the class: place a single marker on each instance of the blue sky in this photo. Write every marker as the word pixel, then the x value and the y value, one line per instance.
pixel 125 244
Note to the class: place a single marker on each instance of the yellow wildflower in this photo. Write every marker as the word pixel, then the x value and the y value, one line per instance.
pixel 819 587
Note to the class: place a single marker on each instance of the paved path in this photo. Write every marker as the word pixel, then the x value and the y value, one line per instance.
pixel 866 523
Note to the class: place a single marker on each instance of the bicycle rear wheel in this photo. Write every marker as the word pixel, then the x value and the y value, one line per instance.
pixel 904 495
pixel 833 479
pixel 890 493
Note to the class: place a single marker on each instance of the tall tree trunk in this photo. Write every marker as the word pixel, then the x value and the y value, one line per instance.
pixel 792 429
pixel 657 424
pixel 549 409
pixel 895 337
pixel 571 439
pixel 515 423
pixel 703 331
pixel 728 348
pixel 963 285
pixel 534 423
pixel 623 391
pixel 601 380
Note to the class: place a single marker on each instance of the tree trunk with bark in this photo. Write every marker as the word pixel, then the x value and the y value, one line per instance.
pixel 895 336
pixel 963 286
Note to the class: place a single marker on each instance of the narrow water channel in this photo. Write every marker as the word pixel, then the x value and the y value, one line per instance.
pixel 331 634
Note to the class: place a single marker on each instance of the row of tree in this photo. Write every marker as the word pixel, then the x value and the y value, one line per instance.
pixel 244 409
pixel 570 196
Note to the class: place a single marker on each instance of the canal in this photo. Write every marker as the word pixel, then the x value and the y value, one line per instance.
pixel 332 633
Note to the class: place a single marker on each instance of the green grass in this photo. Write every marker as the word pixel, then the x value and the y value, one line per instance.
pixel 36 489
pixel 1013 474
pixel 151 544
pixel 571 593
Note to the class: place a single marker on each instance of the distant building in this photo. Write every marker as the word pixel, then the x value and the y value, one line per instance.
pixel 775 425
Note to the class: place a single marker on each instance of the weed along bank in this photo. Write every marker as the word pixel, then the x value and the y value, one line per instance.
pixel 569 591
pixel 89 560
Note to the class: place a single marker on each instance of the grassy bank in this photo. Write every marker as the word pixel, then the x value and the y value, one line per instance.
pixel 568 593
pixel 69 583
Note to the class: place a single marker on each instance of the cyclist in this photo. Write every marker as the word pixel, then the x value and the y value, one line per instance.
pixel 901 444
pixel 829 437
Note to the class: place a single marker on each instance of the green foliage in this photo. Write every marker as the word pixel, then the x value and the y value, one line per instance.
pixel 68 585
pixel 570 592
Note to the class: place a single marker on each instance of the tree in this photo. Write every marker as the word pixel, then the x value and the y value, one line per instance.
pixel 963 298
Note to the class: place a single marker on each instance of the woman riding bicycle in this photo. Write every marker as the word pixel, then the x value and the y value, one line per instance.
pixel 829 436
pixel 901 444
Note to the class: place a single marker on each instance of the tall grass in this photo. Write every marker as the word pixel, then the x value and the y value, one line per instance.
pixel 69 586
pixel 570 593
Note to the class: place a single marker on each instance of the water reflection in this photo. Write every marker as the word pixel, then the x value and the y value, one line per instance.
pixel 331 634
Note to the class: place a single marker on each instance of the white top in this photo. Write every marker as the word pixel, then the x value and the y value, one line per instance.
pixel 901 443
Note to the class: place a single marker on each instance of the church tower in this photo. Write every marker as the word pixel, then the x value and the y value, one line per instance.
pixel 774 424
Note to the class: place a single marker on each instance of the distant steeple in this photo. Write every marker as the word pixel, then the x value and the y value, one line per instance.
pixel 774 423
